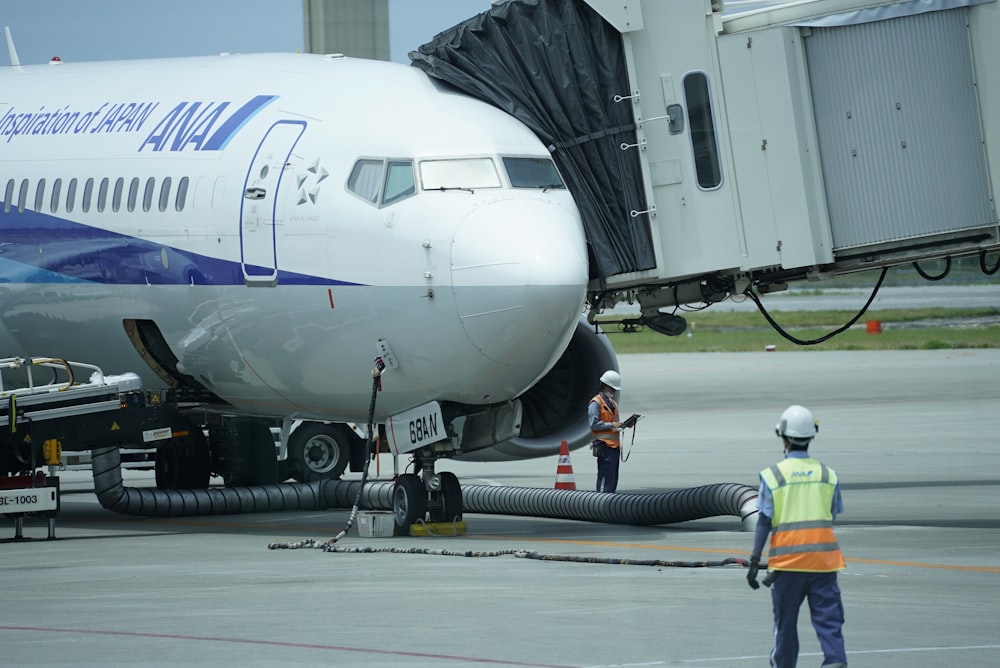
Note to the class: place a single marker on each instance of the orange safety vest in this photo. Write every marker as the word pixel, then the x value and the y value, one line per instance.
pixel 611 437
pixel 802 527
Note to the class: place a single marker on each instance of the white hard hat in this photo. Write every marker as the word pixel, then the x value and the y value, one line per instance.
pixel 612 379
pixel 797 425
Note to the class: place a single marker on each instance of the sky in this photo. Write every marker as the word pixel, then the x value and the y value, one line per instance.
pixel 78 30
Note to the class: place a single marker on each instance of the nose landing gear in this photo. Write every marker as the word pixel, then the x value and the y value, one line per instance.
pixel 434 497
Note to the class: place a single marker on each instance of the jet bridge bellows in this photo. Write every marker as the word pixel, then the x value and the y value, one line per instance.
pixel 557 66
pixel 713 148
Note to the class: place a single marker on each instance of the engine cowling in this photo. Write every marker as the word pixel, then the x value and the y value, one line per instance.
pixel 555 408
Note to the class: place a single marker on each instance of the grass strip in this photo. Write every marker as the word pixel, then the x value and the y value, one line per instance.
pixel 902 329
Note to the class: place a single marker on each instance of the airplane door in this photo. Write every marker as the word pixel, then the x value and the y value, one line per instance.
pixel 258 236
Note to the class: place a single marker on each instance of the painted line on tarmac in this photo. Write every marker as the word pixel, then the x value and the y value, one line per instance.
pixel 754 657
pixel 718 550
pixel 918 564
pixel 277 643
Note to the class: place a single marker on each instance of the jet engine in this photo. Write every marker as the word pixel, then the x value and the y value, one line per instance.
pixel 555 408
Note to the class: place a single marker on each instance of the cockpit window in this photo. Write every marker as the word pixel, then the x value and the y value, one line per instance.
pixel 365 179
pixel 459 174
pixel 532 173
pixel 398 181
pixel 382 182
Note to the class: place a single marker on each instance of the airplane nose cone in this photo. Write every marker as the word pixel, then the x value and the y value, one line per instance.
pixel 519 275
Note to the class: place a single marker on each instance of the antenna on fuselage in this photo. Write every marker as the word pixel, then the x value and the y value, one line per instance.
pixel 14 62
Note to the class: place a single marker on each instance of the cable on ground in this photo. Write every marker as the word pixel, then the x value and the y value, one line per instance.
pixel 528 554
pixel 376 386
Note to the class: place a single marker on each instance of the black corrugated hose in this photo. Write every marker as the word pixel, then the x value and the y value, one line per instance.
pixel 636 509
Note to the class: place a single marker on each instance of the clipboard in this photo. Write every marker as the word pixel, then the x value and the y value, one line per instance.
pixel 630 421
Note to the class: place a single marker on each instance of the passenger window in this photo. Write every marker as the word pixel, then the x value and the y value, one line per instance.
pixel 8 196
pixel 133 193
pixel 88 193
pixel 182 189
pixel 116 198
pixel 459 174
pixel 56 192
pixel 532 173
pixel 165 194
pixel 365 178
pixel 703 139
pixel 398 181
pixel 40 195
pixel 102 194
pixel 22 195
pixel 147 194
pixel 70 195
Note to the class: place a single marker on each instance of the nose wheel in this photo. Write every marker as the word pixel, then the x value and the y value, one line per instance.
pixel 446 504
pixel 436 496
pixel 409 502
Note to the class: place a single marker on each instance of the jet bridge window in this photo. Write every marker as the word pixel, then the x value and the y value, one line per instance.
pixel 459 174
pixel 532 173
pixel 703 139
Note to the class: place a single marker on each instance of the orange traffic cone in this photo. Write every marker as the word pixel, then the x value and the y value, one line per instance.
pixel 564 472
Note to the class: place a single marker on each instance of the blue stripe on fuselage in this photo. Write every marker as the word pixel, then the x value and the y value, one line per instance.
pixel 39 248
pixel 228 130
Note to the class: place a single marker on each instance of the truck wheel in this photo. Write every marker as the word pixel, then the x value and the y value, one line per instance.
pixel 318 451
pixel 168 466
pixel 196 467
pixel 248 453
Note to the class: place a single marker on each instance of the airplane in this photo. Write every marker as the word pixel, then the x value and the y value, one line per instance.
pixel 264 233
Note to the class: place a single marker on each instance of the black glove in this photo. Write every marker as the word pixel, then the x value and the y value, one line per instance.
pixel 752 573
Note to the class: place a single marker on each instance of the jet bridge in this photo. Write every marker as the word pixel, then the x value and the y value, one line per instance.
pixel 714 151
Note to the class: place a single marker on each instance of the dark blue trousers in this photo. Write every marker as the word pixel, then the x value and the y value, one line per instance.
pixel 825 608
pixel 607 469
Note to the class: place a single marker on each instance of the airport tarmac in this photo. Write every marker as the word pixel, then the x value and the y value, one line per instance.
pixel 912 434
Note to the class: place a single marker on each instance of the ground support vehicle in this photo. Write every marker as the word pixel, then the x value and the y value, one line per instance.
pixel 54 412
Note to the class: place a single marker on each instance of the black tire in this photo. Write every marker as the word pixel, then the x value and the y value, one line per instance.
pixel 168 466
pixel 249 454
pixel 409 502
pixel 319 451
pixel 196 465
pixel 183 464
pixel 450 496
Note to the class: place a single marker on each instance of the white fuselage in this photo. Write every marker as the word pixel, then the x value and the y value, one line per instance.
pixel 214 198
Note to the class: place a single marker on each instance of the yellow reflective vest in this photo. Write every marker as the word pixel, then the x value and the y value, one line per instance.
pixel 802 527
pixel 609 413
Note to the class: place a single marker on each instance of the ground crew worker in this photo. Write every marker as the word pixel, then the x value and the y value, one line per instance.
pixel 798 499
pixel 605 427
